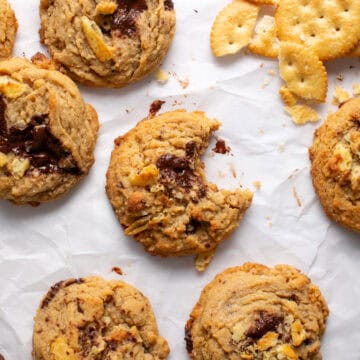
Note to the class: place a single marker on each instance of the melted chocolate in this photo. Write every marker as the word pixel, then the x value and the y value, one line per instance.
pixel 188 340
pixel 190 149
pixel 155 107
pixel 35 143
pixel 169 5
pixel 87 338
pixel 124 18
pixel 264 323
pixel 192 226
pixel 55 289
pixel 220 147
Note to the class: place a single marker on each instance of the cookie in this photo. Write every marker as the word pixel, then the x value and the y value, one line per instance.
pixel 254 312
pixel 47 132
pixel 107 43
pixel 335 157
pixel 157 186
pixel 8 29
pixel 96 319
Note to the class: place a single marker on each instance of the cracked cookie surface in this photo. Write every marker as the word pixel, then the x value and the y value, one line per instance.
pixel 8 29
pixel 94 319
pixel 107 43
pixel 254 312
pixel 47 132
pixel 335 157
pixel 157 187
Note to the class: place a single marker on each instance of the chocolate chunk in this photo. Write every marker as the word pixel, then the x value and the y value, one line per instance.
pixel 169 5
pixel 124 18
pixel 192 226
pixel 55 289
pixel 155 107
pixel 220 147
pixel 188 340
pixel 87 337
pixel 3 128
pixel 190 149
pixel 264 323
pixel 36 143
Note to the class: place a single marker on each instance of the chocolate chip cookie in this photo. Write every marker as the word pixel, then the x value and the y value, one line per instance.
pixel 8 29
pixel 254 312
pixel 108 43
pixel 47 132
pixel 96 319
pixel 335 157
pixel 157 187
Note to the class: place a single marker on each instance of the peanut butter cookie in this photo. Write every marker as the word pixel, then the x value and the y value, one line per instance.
pixel 108 43
pixel 47 132
pixel 254 312
pixel 8 29
pixel 335 157
pixel 157 187
pixel 96 319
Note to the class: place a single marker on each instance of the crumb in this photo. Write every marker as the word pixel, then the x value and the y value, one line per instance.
pixel 221 174
pixel 270 224
pixel 203 260
pixel 257 184
pixel 161 77
pixel 267 217
pixel 184 83
pixel 127 111
pixel 262 65
pixel 233 171
pixel 281 147
pixel 155 107
pixel 272 72
pixel 117 270
pixel 296 196
pixel 221 147
pixel 196 11
pixel 261 131
pixel 340 96
pixel 340 77
pixel 265 83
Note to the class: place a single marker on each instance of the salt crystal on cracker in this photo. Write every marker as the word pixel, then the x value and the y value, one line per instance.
pixel 233 27
pixel 303 72
pixel 302 114
pixel 265 42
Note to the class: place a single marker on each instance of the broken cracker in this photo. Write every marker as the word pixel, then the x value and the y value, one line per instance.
pixel 302 114
pixel 233 27
pixel 303 72
pixel 340 95
pixel 265 42
pixel 330 28
pixel 288 97
pixel 95 39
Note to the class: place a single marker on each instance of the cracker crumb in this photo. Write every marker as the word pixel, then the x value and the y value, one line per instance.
pixel 281 147
pixel 162 77
pixel 203 260
pixel 272 72
pixel 257 184
pixel 340 95
pixel 297 197
pixel 265 83
pixel 117 270
pixel 356 89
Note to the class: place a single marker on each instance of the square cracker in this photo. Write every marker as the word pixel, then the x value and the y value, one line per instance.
pixel 330 28
pixel 305 75
pixel 233 27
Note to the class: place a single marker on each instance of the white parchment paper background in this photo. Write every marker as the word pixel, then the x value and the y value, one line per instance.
pixel 79 235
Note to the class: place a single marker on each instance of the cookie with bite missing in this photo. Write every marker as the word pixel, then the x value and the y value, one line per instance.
pixel 47 132
pixel 107 43
pixel 157 187
pixel 8 29
pixel 92 318
pixel 254 312
pixel 335 157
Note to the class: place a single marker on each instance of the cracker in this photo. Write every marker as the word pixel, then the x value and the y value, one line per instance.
pixel 340 95
pixel 303 72
pixel 330 28
pixel 355 52
pixel 302 114
pixel 288 97
pixel 265 42
pixel 233 27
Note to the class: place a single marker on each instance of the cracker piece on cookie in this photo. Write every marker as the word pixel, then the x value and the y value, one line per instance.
pixel 305 75
pixel 156 184
pixel 254 312
pixel 265 42
pixel 233 27
pixel 330 28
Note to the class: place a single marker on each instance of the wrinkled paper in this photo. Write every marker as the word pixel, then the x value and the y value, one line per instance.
pixel 79 235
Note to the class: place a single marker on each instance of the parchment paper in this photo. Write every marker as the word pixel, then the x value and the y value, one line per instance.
pixel 79 235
